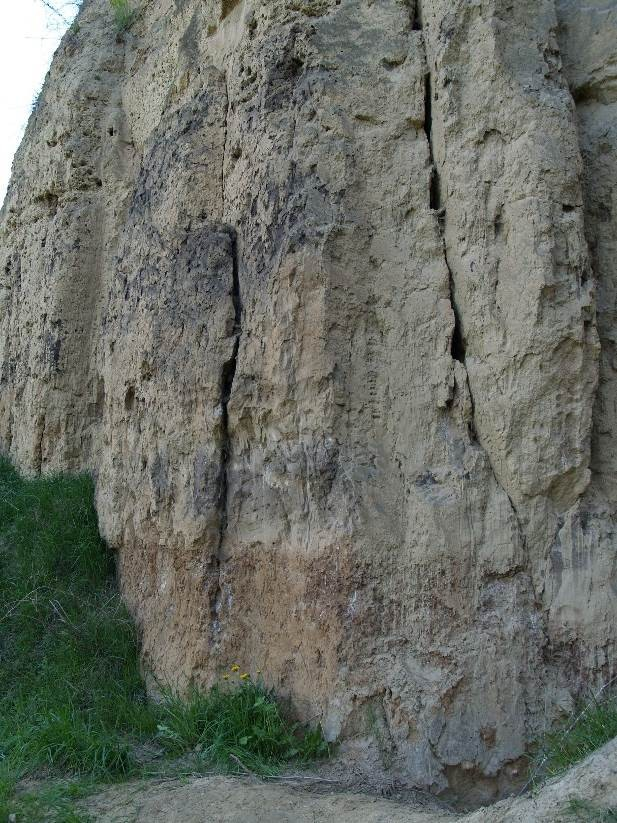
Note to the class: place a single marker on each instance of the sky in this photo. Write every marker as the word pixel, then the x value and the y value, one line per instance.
pixel 29 36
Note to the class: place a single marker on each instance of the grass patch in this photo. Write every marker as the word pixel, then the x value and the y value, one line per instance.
pixel 71 692
pixel 54 802
pixel 123 14
pixel 232 727
pixel 584 811
pixel 594 725
pixel 72 698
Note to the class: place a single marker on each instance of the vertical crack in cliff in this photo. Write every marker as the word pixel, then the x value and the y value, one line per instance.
pixel 416 16
pixel 228 374
pixel 458 344
pixel 38 448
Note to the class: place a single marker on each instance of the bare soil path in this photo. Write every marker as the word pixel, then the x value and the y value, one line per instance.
pixel 245 800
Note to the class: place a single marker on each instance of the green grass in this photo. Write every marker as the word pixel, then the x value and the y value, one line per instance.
pixel 72 697
pixel 584 811
pixel 71 692
pixel 53 802
pixel 123 14
pixel 593 726
pixel 237 727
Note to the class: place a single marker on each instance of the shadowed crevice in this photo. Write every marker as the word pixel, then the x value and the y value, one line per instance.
pixel 457 346
pixel 228 374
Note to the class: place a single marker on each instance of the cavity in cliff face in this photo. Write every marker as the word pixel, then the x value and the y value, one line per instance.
pixel 323 293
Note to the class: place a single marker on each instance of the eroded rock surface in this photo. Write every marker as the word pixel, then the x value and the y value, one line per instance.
pixel 323 293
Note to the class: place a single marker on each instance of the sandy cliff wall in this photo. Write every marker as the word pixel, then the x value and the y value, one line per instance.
pixel 323 293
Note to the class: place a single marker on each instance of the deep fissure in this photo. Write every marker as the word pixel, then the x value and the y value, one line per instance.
pixel 457 346
pixel 416 17
pixel 228 374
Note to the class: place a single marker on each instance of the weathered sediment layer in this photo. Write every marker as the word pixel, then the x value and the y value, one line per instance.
pixel 323 294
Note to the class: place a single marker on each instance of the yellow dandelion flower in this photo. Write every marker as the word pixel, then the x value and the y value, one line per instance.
pixel 225 677
pixel 245 676
pixel 235 668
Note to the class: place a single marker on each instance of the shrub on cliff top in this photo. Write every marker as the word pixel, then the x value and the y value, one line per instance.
pixel 123 14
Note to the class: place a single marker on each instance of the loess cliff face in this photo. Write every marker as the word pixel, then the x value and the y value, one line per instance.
pixel 324 294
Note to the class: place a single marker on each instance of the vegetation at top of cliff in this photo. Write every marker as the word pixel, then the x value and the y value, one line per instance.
pixel 123 14
pixel 593 725
pixel 72 698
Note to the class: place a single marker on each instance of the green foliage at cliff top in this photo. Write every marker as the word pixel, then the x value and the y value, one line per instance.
pixel 123 14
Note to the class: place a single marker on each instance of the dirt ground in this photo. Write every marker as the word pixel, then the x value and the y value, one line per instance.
pixel 246 800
